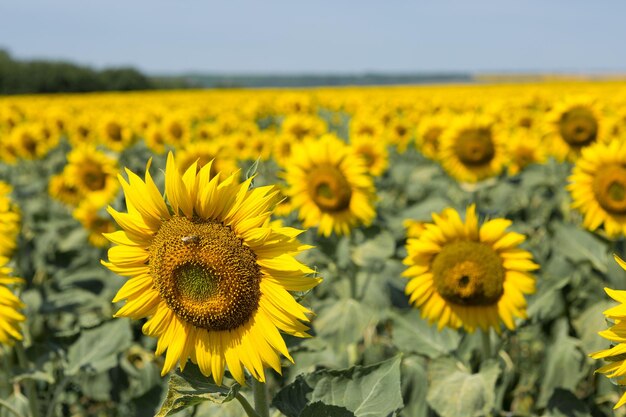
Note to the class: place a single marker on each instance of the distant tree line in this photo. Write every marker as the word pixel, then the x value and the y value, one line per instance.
pixel 38 76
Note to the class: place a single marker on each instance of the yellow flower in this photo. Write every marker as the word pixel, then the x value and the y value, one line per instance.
pixel 429 132
pixel 115 132
pixel 10 304
pixel 573 124
pixel 64 189
pixel 463 275
pixel 471 150
pixel 373 152
pixel 616 367
pixel 9 220
pixel 209 270
pixel 95 224
pixel 598 187
pixel 523 148
pixel 93 173
pixel 329 186
pixel 204 152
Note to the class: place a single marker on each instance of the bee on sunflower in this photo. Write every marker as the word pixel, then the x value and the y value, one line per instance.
pixel 465 275
pixel 209 271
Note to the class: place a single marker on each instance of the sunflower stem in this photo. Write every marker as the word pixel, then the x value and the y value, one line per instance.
pixel 246 406
pixel 261 405
pixel 29 385
pixel 485 336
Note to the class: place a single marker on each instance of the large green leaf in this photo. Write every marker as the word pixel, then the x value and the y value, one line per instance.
pixel 374 252
pixel 370 391
pixel 411 333
pixel 342 322
pixel 578 245
pixel 564 364
pixel 414 387
pixel 456 392
pixel 190 387
pixel 97 349
pixel 564 403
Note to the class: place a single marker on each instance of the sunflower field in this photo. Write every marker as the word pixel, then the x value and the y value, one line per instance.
pixel 426 251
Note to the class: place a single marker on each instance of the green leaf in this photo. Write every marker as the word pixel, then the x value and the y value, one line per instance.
pixel 319 409
pixel 189 388
pixel 563 403
pixel 18 403
pixel 374 251
pixel 414 387
pixel 563 366
pixel 411 333
pixel 589 323
pixel 578 245
pixel 342 322
pixel 369 391
pixel 96 350
pixel 456 392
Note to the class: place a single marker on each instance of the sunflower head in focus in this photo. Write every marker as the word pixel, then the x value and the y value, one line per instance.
pixel 465 275
pixel 598 187
pixel 209 271
pixel 572 125
pixel 10 305
pixel 616 334
pixel 329 186
pixel 472 149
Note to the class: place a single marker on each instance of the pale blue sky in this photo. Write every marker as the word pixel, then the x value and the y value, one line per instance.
pixel 290 36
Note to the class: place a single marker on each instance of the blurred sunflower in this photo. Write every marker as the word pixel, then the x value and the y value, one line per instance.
pixel 10 304
pixel 598 187
pixel 429 132
pixel 523 148
pixel 94 223
pixel 616 368
pixel 399 133
pixel 471 150
pixel 93 173
pixel 574 124
pixel 465 275
pixel 202 153
pixel 64 189
pixel 9 220
pixel 329 186
pixel 210 270
pixel 155 138
pixel 373 152
pixel 115 132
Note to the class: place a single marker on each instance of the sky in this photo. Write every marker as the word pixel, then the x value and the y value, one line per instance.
pixel 321 36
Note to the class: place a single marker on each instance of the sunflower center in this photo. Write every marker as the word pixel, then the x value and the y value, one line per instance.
pixel 475 147
pixel 114 132
pixel 94 178
pixel 176 130
pixel 609 187
pixel 329 189
pixel 205 273
pixel 468 273
pixel 578 126
pixel 431 137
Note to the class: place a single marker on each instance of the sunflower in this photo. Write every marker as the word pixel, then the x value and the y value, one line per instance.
pixel 300 127
pixel 93 173
pixel 465 275
pixel 94 223
pixel 64 189
pixel 574 124
pixel 616 368
pixel 471 149
pixel 176 129
pixel 9 220
pixel 30 141
pixel 429 132
pixel 329 186
pixel 115 132
pixel 155 138
pixel 373 152
pixel 523 148
pixel 209 270
pixel 10 304
pixel 202 153
pixel 399 133
pixel 598 187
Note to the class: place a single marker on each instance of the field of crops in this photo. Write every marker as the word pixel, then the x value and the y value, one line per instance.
pixel 415 251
